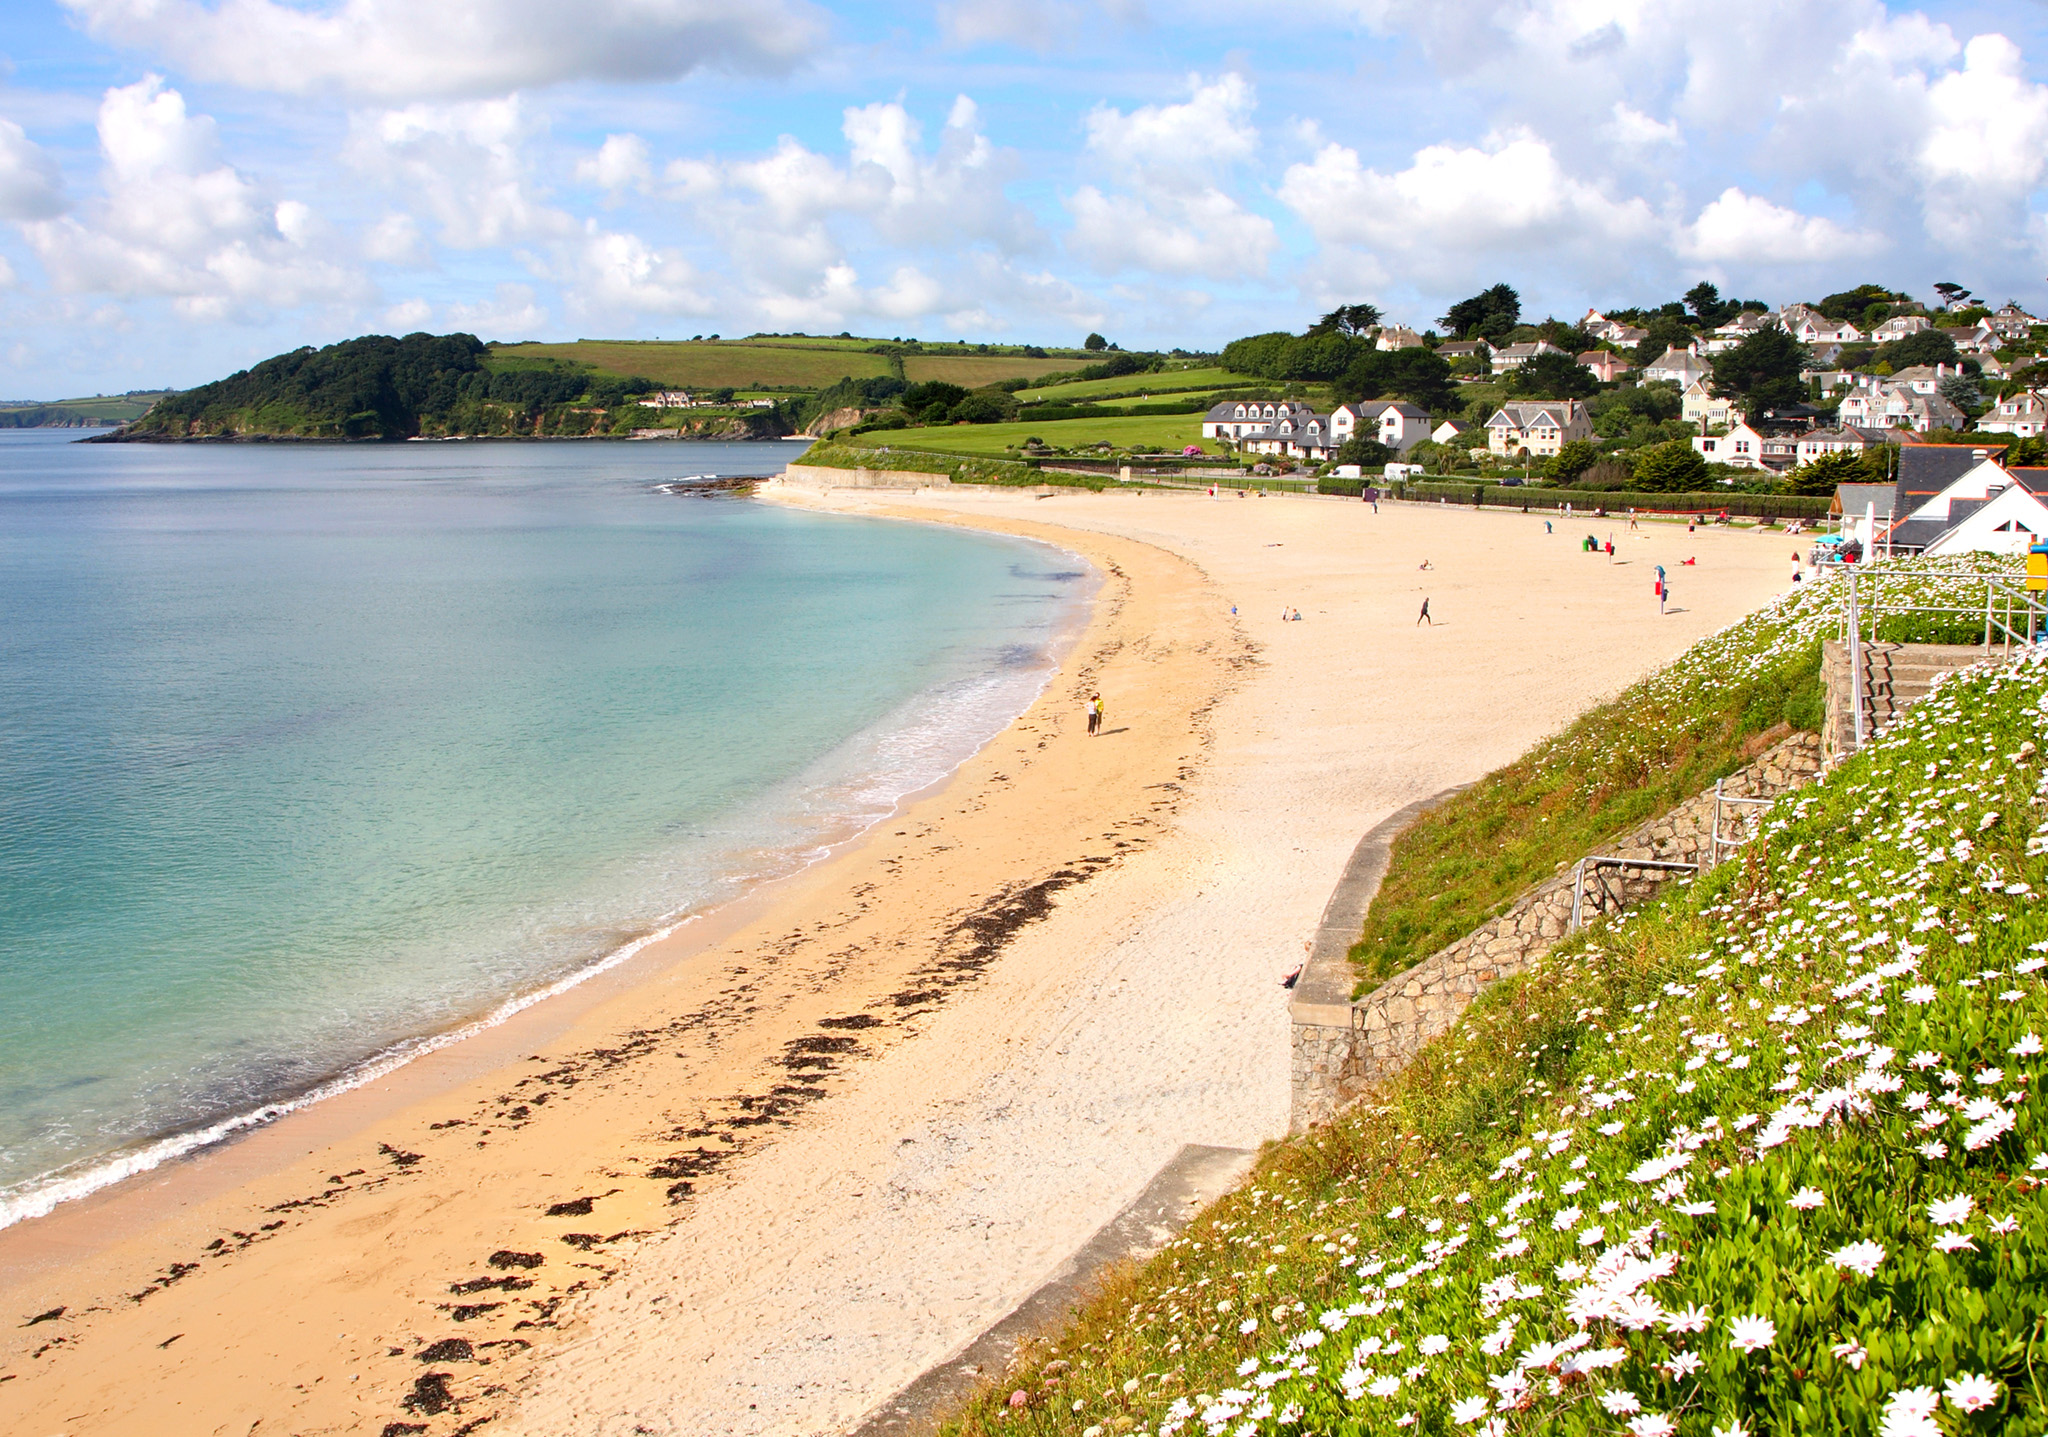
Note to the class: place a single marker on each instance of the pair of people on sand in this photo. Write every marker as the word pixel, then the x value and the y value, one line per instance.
pixel 1094 715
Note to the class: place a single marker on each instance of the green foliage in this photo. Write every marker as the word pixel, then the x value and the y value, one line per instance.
pixel 1094 342
pixel 1553 376
pixel 1825 474
pixel 1673 467
pixel 1573 458
pixel 1365 451
pixel 1666 332
pixel 1854 304
pixel 930 403
pixel 1418 375
pixel 1491 314
pixel 1763 371
pixel 1929 346
pixel 1354 319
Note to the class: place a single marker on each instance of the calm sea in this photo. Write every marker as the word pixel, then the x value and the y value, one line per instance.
pixel 307 755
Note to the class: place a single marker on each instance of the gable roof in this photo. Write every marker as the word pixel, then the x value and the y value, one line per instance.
pixel 1532 414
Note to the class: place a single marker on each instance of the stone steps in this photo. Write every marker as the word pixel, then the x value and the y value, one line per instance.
pixel 1895 677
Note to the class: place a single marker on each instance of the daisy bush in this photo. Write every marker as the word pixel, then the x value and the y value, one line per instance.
pixel 1759 1158
pixel 1656 744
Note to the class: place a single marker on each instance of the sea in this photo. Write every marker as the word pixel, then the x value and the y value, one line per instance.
pixel 315 757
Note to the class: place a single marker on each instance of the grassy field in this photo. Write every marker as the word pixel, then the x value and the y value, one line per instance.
pixel 1169 381
pixel 1160 433
pixel 793 364
pixel 114 409
pixel 1726 1165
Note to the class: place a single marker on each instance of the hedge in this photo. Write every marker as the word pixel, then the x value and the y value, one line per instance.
pixel 1754 506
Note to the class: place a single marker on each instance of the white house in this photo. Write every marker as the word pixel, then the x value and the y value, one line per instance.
pixel 1741 447
pixel 1844 439
pixel 1810 326
pixel 667 399
pixel 1937 513
pixel 1736 330
pixel 1898 406
pixel 1540 426
pixel 2024 416
pixel 1398 425
pixel 1398 336
pixel 1451 429
pixel 1514 356
pixel 1899 326
pixel 1677 366
pixel 2007 521
pixel 1300 433
pixel 2012 322
pixel 1700 405
pixel 1236 419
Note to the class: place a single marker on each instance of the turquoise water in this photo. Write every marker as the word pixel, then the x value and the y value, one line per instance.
pixel 308 753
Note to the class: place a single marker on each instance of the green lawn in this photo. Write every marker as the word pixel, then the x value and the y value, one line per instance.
pixel 771 364
pixel 1155 432
pixel 1171 381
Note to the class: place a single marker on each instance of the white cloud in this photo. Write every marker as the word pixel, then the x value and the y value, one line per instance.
pixel 1635 130
pixel 176 222
pixel 1172 214
pixel 1456 206
pixel 1040 25
pixel 30 186
pixel 620 163
pixel 621 274
pixel 408 316
pixel 1744 229
pixel 399 50
pixel 395 239
pixel 512 313
pixel 7 280
pixel 466 164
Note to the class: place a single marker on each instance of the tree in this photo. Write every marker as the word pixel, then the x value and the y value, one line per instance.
pixel 1366 452
pixel 1704 300
pixel 930 403
pixel 1094 341
pixel 1553 376
pixel 1421 376
pixel 1490 314
pixel 1961 391
pixel 1763 371
pixel 1827 473
pixel 1855 303
pixel 1929 346
pixel 1348 319
pixel 1572 459
pixel 1952 295
pixel 1671 468
pixel 1666 332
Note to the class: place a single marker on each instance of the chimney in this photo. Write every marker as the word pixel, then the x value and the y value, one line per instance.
pixel 1980 455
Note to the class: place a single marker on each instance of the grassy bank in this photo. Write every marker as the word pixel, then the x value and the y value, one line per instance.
pixel 1659 742
pixel 959 470
pixel 1762 1158
pixel 784 364
pixel 1152 433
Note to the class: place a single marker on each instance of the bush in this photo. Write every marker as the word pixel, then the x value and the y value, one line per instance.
pixel 1674 467
pixel 1572 459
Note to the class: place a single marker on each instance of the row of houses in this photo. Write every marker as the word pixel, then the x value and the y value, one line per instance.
pixel 1289 428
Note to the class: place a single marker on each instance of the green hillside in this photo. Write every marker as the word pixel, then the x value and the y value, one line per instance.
pixel 105 409
pixel 1151 433
pixel 799 362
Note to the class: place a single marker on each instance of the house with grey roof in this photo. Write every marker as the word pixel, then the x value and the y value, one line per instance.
pixel 1514 356
pixel 1541 426
pixel 1236 419
pixel 2023 415
pixel 1678 366
pixel 1398 336
pixel 1395 423
pixel 1843 439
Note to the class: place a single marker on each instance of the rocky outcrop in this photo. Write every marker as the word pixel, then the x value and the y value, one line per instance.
pixel 833 419
pixel 1340 1052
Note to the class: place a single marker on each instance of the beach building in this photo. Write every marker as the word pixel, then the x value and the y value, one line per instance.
pixel 1398 425
pixel 1741 447
pixel 1541 426
pixel 1236 419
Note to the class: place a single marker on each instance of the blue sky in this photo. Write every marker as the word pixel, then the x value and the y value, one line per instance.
pixel 187 186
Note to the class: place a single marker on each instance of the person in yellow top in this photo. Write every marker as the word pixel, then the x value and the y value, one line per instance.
pixel 1094 714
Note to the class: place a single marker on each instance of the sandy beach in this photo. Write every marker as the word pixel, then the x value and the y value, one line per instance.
pixel 761 1177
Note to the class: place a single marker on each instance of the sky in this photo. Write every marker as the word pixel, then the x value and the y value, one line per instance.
pixel 188 186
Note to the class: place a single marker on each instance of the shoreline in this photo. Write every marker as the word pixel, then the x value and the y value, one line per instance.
pixel 1089 936
pixel 32 1199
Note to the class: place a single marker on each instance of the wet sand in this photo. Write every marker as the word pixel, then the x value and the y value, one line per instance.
pixel 763 1176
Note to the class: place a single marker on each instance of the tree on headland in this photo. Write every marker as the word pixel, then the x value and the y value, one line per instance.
pixel 1952 295
pixel 1353 319
pixel 1094 341
pixel 1764 371
pixel 1490 314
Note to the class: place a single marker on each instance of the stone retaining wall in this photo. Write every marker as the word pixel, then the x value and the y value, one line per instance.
pixel 1340 1051
pixel 820 476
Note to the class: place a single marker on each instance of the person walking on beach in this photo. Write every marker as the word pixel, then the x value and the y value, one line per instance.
pixel 1423 617
pixel 1094 714
pixel 1546 526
